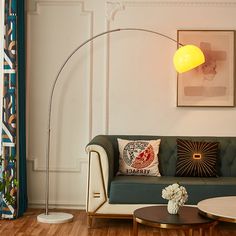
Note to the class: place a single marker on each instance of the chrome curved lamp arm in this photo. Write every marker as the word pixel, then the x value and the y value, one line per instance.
pixel 56 80
pixel 53 89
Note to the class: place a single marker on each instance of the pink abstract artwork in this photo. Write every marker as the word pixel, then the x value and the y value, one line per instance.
pixel 212 83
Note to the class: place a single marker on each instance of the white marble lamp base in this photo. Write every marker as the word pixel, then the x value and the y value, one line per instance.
pixel 55 218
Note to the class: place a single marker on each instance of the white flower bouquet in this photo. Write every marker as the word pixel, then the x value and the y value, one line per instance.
pixel 176 193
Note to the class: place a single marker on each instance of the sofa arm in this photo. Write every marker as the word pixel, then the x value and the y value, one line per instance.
pixel 106 144
pixel 101 171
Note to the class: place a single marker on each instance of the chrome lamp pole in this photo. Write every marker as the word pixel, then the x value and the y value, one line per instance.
pixel 181 57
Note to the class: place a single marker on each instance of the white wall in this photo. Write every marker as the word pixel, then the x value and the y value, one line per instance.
pixel 120 84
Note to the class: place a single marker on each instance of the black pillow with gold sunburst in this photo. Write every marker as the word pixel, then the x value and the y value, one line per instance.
pixel 196 158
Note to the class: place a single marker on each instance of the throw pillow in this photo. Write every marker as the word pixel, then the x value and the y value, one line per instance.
pixel 196 159
pixel 138 157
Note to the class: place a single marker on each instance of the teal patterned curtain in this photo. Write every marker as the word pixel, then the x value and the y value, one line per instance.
pixel 13 198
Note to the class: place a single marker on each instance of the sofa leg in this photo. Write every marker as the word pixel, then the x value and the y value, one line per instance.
pixel 89 221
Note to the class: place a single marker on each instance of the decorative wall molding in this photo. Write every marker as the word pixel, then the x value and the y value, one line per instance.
pixel 113 8
pixel 180 3
pixel 58 204
pixel 37 11
pixel 76 169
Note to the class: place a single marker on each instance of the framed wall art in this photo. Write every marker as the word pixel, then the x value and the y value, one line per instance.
pixel 212 83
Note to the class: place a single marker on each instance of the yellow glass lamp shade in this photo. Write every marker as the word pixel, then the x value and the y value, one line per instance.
pixel 188 57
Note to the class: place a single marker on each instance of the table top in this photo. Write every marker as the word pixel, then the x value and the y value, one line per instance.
pixel 187 216
pixel 219 208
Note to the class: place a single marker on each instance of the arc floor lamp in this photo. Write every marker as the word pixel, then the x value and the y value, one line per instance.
pixel 185 58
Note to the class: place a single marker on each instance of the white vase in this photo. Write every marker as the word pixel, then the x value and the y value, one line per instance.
pixel 172 207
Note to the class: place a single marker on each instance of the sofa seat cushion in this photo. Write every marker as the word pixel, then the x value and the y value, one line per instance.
pixel 148 190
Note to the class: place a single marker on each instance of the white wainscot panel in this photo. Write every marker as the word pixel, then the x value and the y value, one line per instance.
pixel 53 32
pixel 67 190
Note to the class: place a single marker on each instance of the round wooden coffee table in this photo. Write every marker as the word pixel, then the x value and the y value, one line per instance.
pixel 219 208
pixel 187 219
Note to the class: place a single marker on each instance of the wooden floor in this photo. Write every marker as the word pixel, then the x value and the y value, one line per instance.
pixel 28 226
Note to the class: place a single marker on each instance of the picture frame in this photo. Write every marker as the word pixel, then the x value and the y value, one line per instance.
pixel 212 83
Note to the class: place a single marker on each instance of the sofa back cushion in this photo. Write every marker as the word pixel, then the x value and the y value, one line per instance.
pixel 168 152
pixel 138 157
pixel 197 159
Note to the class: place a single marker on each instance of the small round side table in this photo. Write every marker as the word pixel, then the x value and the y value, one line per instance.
pixel 187 219
pixel 219 208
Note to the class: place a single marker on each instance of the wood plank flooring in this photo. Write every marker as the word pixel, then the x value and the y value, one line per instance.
pixel 28 226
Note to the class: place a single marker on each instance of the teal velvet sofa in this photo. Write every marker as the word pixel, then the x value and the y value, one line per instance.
pixel 120 195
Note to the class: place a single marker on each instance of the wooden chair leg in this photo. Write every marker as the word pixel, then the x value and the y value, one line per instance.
pixel 89 221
